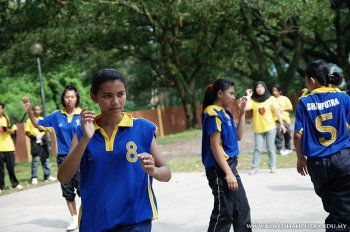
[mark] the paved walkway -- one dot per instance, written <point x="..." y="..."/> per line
<point x="184" y="204"/>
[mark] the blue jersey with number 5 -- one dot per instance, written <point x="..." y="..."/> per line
<point x="322" y="118"/>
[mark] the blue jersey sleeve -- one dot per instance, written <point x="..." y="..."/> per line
<point x="48" y="121"/>
<point x="298" y="128"/>
<point x="213" y="124"/>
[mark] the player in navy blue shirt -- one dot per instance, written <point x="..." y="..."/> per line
<point x="322" y="142"/>
<point x="118" y="158"/>
<point x="63" y="124"/>
<point x="219" y="156"/>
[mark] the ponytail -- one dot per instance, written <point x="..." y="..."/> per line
<point x="334" y="78"/>
<point x="208" y="98"/>
<point x="319" y="70"/>
<point x="212" y="91"/>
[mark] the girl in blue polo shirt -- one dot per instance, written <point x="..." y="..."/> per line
<point x="63" y="124"/>
<point x="322" y="143"/>
<point x="118" y="158"/>
<point x="219" y="155"/>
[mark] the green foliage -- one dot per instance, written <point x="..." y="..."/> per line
<point x="177" y="47"/>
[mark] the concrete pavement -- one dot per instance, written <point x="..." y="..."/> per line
<point x="184" y="204"/>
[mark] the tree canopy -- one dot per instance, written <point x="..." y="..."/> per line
<point x="172" y="47"/>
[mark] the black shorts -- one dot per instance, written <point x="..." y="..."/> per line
<point x="68" y="188"/>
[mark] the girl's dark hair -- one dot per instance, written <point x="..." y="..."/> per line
<point x="70" y="88"/>
<point x="104" y="75"/>
<point x="319" y="70"/>
<point x="212" y="91"/>
<point x="2" y="105"/>
<point x="278" y="87"/>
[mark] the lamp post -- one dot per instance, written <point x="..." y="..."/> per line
<point x="37" y="50"/>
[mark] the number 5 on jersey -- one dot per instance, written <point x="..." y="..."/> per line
<point x="329" y="129"/>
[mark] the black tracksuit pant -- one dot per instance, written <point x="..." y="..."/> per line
<point x="230" y="208"/>
<point x="331" y="178"/>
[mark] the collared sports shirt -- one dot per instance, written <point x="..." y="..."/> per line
<point x="63" y="126"/>
<point x="115" y="190"/>
<point x="219" y="119"/>
<point x="322" y="117"/>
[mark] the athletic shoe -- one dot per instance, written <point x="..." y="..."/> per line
<point x="283" y="152"/>
<point x="51" y="178"/>
<point x="253" y="172"/>
<point x="273" y="170"/>
<point x="19" y="186"/>
<point x="35" y="181"/>
<point x="0" y="191"/>
<point x="73" y="225"/>
<point x="288" y="151"/>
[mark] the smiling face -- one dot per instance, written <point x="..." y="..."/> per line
<point x="227" y="97"/>
<point x="111" y="97"/>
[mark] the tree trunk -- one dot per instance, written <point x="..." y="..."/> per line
<point x="188" y="100"/>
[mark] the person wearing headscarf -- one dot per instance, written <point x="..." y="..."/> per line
<point x="264" y="106"/>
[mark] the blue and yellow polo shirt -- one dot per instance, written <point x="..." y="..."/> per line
<point x="219" y="119"/>
<point x="322" y="117"/>
<point x="115" y="190"/>
<point x="63" y="126"/>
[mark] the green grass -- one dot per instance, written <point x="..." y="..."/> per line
<point x="23" y="174"/>
<point x="194" y="163"/>
<point x="179" y="136"/>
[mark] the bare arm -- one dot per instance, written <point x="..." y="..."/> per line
<point x="220" y="159"/>
<point x="154" y="164"/>
<point x="302" y="161"/>
<point x="71" y="163"/>
<point x="28" y="108"/>
<point x="280" y="119"/>
<point x="241" y="122"/>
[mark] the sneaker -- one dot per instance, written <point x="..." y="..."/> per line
<point x="73" y="225"/>
<point x="19" y="186"/>
<point x="253" y="172"/>
<point x="35" y="181"/>
<point x="0" y="191"/>
<point x="51" y="178"/>
<point x="283" y="152"/>
<point x="273" y="170"/>
<point x="288" y="151"/>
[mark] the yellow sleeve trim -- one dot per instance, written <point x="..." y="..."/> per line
<point x="218" y="123"/>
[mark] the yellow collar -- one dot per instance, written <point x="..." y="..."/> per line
<point x="76" y="111"/>
<point x="127" y="121"/>
<point x="213" y="107"/>
<point x="326" y="90"/>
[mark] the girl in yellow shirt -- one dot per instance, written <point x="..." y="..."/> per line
<point x="264" y="106"/>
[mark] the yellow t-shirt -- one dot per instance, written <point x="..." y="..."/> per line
<point x="31" y="129"/>
<point x="263" y="114"/>
<point x="284" y="102"/>
<point x="6" y="142"/>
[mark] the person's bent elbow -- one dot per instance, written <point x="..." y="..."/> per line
<point x="62" y="176"/>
